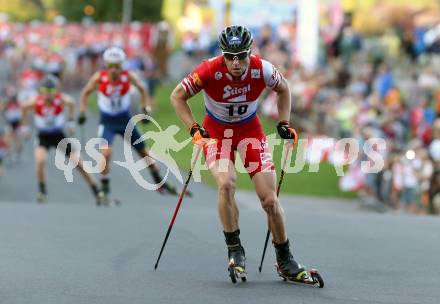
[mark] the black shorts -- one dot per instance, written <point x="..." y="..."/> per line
<point x="14" y="124"/>
<point x="49" y="140"/>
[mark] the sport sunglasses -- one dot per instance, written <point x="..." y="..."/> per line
<point x="46" y="90"/>
<point x="113" y="65"/>
<point x="239" y="56"/>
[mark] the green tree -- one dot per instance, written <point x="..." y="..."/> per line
<point x="16" y="11"/>
<point x="106" y="10"/>
<point x="147" y="10"/>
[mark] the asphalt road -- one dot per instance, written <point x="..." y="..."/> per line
<point x="70" y="251"/>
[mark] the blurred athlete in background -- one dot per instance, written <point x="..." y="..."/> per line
<point x="113" y="86"/>
<point x="48" y="108"/>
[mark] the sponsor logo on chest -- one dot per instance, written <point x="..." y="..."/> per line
<point x="113" y="90"/>
<point x="229" y="91"/>
<point x="49" y="110"/>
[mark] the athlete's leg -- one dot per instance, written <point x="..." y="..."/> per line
<point x="75" y="157"/>
<point x="15" y="139"/>
<point x="88" y="178"/>
<point x="140" y="148"/>
<point x="143" y="152"/>
<point x="265" y="187"/>
<point x="106" y="132"/>
<point x="18" y="142"/>
<point x="264" y="183"/>
<point x="227" y="206"/>
<point x="40" y="161"/>
<point x="106" y="151"/>
<point x="229" y="214"/>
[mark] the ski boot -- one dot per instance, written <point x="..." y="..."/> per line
<point x="42" y="193"/>
<point x="103" y="197"/>
<point x="237" y="263"/>
<point x="103" y="194"/>
<point x="41" y="198"/>
<point x="97" y="194"/>
<point x="236" y="256"/>
<point x="100" y="197"/>
<point x="288" y="269"/>
<point x="167" y="189"/>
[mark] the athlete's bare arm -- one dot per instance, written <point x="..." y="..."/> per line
<point x="69" y="102"/>
<point x="283" y="101"/>
<point x="26" y="108"/>
<point x="145" y="97"/>
<point x="179" y="99"/>
<point x="90" y="87"/>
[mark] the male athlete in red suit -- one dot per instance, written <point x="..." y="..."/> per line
<point x="231" y="85"/>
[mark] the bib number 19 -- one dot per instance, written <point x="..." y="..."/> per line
<point x="240" y="109"/>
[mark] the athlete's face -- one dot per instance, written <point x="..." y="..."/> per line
<point x="114" y="70"/>
<point x="236" y="63"/>
<point x="48" y="93"/>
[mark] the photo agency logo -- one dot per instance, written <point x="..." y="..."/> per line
<point x="163" y="142"/>
<point x="369" y="155"/>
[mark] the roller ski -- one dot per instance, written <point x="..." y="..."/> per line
<point x="171" y="190"/>
<point x="41" y="198"/>
<point x="236" y="256"/>
<point x="237" y="266"/>
<point x="167" y="189"/>
<point x="103" y="197"/>
<point x="105" y="200"/>
<point x="288" y="269"/>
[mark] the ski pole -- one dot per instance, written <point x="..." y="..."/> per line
<point x="283" y="167"/>
<point x="82" y="135"/>
<point x="182" y="193"/>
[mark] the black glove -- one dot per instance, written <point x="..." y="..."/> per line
<point x="146" y="111"/>
<point x="286" y="132"/>
<point x="197" y="128"/>
<point x="82" y="118"/>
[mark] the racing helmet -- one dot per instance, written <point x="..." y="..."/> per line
<point x="114" y="55"/>
<point x="49" y="82"/>
<point x="235" y="39"/>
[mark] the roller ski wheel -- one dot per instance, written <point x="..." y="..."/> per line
<point x="41" y="198"/>
<point x="236" y="272"/>
<point x="237" y="264"/>
<point x="188" y="193"/>
<point x="106" y="201"/>
<point x="99" y="198"/>
<point x="167" y="189"/>
<point x="306" y="277"/>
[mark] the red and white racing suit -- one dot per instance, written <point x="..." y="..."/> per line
<point x="50" y="122"/>
<point x="13" y="114"/>
<point x="231" y="108"/>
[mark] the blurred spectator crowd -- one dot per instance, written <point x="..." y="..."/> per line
<point x="73" y="50"/>
<point x="378" y="86"/>
<point x="381" y="86"/>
